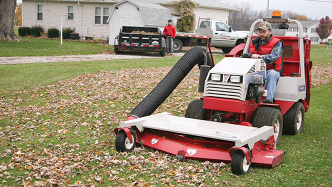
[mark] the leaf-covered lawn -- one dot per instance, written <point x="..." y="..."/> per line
<point x="62" y="134"/>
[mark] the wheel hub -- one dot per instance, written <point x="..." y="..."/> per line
<point x="276" y="128"/>
<point x="129" y="144"/>
<point x="299" y="120"/>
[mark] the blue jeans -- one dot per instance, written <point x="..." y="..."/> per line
<point x="169" y="45"/>
<point x="272" y="78"/>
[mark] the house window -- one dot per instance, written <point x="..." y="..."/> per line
<point x="305" y="30"/>
<point x="314" y="39"/>
<point x="295" y="29"/>
<point x="313" y="30"/>
<point x="40" y="12"/>
<point x="70" y="12"/>
<point x="101" y="15"/>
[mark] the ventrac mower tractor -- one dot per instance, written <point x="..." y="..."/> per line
<point x="230" y="123"/>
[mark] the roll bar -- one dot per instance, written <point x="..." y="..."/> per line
<point x="281" y="20"/>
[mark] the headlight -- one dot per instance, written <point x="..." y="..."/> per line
<point x="216" y="77"/>
<point x="235" y="79"/>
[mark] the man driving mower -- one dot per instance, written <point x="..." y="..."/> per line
<point x="270" y="49"/>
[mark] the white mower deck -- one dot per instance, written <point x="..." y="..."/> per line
<point x="241" y="135"/>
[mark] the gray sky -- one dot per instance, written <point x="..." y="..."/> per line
<point x="314" y="9"/>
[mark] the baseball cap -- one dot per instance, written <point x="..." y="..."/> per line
<point x="265" y="26"/>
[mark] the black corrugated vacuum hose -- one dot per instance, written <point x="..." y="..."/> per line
<point x="158" y="95"/>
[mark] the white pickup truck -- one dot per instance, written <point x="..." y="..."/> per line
<point x="222" y="36"/>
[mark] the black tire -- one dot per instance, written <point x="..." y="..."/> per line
<point x="294" y="119"/>
<point x="239" y="163"/>
<point x="116" y="49"/>
<point x="177" y="45"/>
<point x="267" y="116"/>
<point x="226" y="49"/>
<point x="122" y="142"/>
<point x="163" y="52"/>
<point x="239" y="41"/>
<point x="195" y="110"/>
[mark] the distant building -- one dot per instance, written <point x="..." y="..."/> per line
<point x="90" y="18"/>
<point x="309" y="30"/>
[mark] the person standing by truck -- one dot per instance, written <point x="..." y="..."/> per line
<point x="170" y="33"/>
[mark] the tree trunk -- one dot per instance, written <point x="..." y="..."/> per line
<point x="7" y="12"/>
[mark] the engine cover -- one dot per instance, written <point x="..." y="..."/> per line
<point x="231" y="77"/>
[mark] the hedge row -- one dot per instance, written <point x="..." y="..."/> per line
<point x="38" y="31"/>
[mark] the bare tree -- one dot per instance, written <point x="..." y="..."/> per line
<point x="7" y="12"/>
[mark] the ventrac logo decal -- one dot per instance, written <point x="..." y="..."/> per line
<point x="154" y="141"/>
<point x="301" y="88"/>
<point x="225" y="79"/>
<point x="224" y="135"/>
<point x="191" y="151"/>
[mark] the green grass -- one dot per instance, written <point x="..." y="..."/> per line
<point x="320" y="55"/>
<point x="27" y="76"/>
<point x="48" y="47"/>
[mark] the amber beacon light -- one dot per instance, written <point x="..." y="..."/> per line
<point x="276" y="14"/>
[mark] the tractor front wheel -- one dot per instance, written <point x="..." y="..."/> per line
<point x="239" y="164"/>
<point x="294" y="119"/>
<point x="122" y="142"/>
<point x="195" y="110"/>
<point x="267" y="116"/>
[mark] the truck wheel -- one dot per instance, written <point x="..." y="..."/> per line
<point x="267" y="116"/>
<point x="294" y="119"/>
<point x="116" y="49"/>
<point x="226" y="49"/>
<point x="122" y="142"/>
<point x="240" y="41"/>
<point x="163" y="52"/>
<point x="177" y="46"/>
<point x="239" y="163"/>
<point x="195" y="110"/>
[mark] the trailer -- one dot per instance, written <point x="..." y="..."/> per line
<point x="148" y="39"/>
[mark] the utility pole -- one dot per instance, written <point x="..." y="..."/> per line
<point x="185" y="3"/>
<point x="268" y="7"/>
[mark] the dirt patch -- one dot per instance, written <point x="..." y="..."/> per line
<point x="106" y="51"/>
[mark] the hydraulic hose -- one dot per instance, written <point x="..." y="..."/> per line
<point x="159" y="94"/>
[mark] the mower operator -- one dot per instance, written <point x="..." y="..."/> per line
<point x="170" y="33"/>
<point x="270" y="49"/>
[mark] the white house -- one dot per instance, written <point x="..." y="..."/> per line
<point x="309" y="29"/>
<point x="89" y="17"/>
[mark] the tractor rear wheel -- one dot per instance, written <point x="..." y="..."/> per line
<point x="122" y="142"/>
<point x="226" y="50"/>
<point x="267" y="116"/>
<point x="195" y="110"/>
<point x="239" y="163"/>
<point x="294" y="119"/>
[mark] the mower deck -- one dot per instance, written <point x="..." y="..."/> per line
<point x="203" y="140"/>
